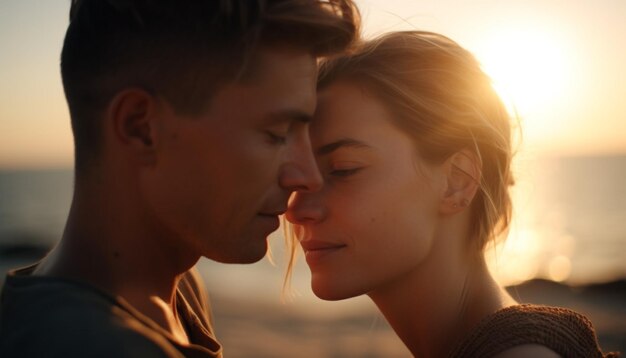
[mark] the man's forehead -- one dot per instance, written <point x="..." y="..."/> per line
<point x="282" y="88"/>
<point x="269" y="62"/>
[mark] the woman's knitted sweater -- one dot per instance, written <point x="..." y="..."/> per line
<point x="566" y="332"/>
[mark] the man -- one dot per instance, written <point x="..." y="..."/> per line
<point x="190" y="121"/>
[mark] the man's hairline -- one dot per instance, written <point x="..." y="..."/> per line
<point x="249" y="75"/>
<point x="249" y="72"/>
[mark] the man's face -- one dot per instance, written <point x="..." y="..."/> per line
<point x="223" y="177"/>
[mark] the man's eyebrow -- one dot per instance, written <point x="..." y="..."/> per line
<point x="291" y="115"/>
<point x="342" y="143"/>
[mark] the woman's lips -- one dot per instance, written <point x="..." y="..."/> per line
<point x="315" y="250"/>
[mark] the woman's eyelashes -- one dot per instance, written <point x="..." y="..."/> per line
<point x="345" y="170"/>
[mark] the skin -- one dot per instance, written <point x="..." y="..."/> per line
<point x="371" y="179"/>
<point x="390" y="225"/>
<point x="169" y="188"/>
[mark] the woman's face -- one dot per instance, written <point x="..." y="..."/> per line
<point x="375" y="217"/>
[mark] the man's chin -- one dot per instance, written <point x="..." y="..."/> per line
<point x="248" y="255"/>
<point x="239" y="260"/>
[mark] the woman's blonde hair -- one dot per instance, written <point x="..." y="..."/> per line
<point x="439" y="95"/>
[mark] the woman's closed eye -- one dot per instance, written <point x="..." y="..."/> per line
<point x="344" y="172"/>
<point x="345" y="169"/>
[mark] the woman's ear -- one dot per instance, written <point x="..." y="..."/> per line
<point x="463" y="172"/>
<point x="133" y="116"/>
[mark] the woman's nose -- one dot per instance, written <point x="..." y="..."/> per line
<point x="305" y="208"/>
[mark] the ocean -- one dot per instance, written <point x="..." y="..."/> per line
<point x="569" y="226"/>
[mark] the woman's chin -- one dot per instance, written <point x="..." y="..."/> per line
<point x="333" y="292"/>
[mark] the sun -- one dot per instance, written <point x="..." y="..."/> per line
<point x="529" y="68"/>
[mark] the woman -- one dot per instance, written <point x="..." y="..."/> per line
<point x="415" y="149"/>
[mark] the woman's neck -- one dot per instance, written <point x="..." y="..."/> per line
<point x="438" y="303"/>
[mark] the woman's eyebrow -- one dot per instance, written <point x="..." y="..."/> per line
<point x="342" y="143"/>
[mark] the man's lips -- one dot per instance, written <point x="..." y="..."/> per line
<point x="271" y="220"/>
<point x="277" y="212"/>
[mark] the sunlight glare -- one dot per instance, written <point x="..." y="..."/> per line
<point x="528" y="67"/>
<point x="517" y="259"/>
<point x="559" y="268"/>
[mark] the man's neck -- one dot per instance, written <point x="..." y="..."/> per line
<point x="109" y="244"/>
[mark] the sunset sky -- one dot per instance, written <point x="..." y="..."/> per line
<point x="561" y="63"/>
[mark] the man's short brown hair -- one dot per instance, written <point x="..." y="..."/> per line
<point x="182" y="50"/>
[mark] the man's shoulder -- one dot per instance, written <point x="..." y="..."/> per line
<point x="86" y="342"/>
<point x="68" y="319"/>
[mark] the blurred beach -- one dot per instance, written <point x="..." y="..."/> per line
<point x="565" y="248"/>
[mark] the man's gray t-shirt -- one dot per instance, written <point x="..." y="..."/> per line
<point x="52" y="317"/>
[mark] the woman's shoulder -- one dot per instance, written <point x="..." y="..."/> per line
<point x="520" y="327"/>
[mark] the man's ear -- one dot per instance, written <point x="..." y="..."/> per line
<point x="463" y="175"/>
<point x="133" y="116"/>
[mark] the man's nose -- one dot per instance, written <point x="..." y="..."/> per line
<point x="304" y="177"/>
<point x="301" y="173"/>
